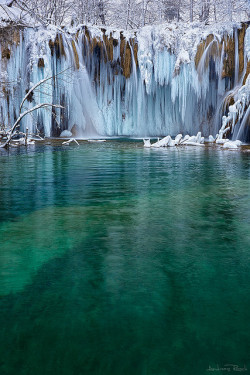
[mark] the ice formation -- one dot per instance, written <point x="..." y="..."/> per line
<point x="239" y="113"/>
<point x="164" y="91"/>
<point x="197" y="140"/>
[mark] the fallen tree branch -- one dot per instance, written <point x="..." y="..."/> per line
<point x="39" y="84"/>
<point x="11" y="132"/>
<point x="66" y="143"/>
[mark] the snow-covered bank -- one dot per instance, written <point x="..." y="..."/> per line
<point x="160" y="80"/>
<point x="188" y="140"/>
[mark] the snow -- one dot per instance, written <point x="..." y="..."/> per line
<point x="178" y="139"/>
<point x="147" y="143"/>
<point x="238" y="112"/>
<point x="197" y="140"/>
<point x="194" y="140"/>
<point x="232" y="144"/>
<point x="247" y="43"/>
<point x="164" y="95"/>
<point x="167" y="141"/>
<point x="67" y="143"/>
<point x="221" y="141"/>
<point x="5" y="2"/>
<point x="66" y="134"/>
<point x="211" y="139"/>
<point x="13" y="14"/>
<point x="179" y="39"/>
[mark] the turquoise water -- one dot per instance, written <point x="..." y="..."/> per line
<point x="121" y="260"/>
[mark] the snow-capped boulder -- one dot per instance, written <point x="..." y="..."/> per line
<point x="211" y="139"/>
<point x="147" y="143"/>
<point x="66" y="134"/>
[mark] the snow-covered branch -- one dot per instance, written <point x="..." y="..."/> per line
<point x="11" y="132"/>
<point x="39" y="84"/>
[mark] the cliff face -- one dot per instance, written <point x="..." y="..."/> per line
<point x="151" y="82"/>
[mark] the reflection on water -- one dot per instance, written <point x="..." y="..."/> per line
<point x="120" y="260"/>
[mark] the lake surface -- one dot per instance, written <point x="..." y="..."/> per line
<point x="117" y="259"/>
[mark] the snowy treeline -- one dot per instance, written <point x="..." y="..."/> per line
<point x="132" y="14"/>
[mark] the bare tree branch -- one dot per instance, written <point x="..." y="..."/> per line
<point x="11" y="132"/>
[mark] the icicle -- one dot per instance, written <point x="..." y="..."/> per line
<point x="236" y="57"/>
<point x="221" y="86"/>
<point x="98" y="100"/>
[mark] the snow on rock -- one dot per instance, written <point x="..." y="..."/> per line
<point x="247" y="43"/>
<point x="191" y="139"/>
<point x="167" y="141"/>
<point x="147" y="143"/>
<point x="183" y="58"/>
<point x="232" y="144"/>
<point x="193" y="144"/>
<point x="164" y="142"/>
<point x="66" y="134"/>
<point x="237" y="110"/>
<point x="24" y="142"/>
<point x="221" y="141"/>
<point x="198" y="137"/>
<point x="238" y="113"/>
<point x="161" y="143"/>
<point x="194" y="140"/>
<point x="178" y="139"/>
<point x="171" y="142"/>
<point x="186" y="138"/>
<point x="238" y="142"/>
<point x="211" y="139"/>
<point x="197" y="140"/>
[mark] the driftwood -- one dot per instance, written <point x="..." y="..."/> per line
<point x="66" y="143"/>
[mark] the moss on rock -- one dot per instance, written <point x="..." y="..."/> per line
<point x="57" y="46"/>
<point x="229" y="60"/>
<point x="6" y="53"/>
<point x="75" y="54"/>
<point x="213" y="51"/>
<point x="126" y="58"/>
<point x="241" y="38"/>
<point x="40" y="63"/>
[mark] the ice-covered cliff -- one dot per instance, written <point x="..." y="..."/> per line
<point x="151" y="82"/>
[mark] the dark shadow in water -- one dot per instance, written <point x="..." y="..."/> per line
<point x="160" y="283"/>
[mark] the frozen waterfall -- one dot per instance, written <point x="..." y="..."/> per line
<point x="116" y="84"/>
